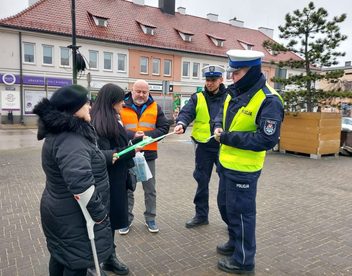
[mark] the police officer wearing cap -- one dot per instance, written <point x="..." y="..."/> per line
<point x="202" y="108"/>
<point x="247" y="126"/>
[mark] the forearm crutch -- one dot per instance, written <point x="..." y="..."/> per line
<point x="83" y="200"/>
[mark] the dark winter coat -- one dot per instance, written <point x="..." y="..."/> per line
<point x="119" y="177"/>
<point x="72" y="163"/>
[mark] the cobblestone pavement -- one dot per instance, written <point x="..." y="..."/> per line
<point x="304" y="221"/>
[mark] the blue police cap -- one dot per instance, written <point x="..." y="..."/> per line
<point x="213" y="71"/>
<point x="243" y="58"/>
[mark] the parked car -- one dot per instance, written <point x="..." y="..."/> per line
<point x="346" y="124"/>
<point x="346" y="136"/>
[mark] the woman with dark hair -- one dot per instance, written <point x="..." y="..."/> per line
<point x="75" y="170"/>
<point x="113" y="138"/>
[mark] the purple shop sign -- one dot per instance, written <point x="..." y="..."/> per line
<point x="34" y="80"/>
<point x="58" y="81"/>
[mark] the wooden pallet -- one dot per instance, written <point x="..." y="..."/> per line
<point x="310" y="155"/>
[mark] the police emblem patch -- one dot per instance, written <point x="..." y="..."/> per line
<point x="269" y="127"/>
<point x="211" y="68"/>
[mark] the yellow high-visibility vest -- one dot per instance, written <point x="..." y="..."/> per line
<point x="238" y="159"/>
<point x="201" y="126"/>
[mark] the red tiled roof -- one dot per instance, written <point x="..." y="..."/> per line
<point x="55" y="17"/>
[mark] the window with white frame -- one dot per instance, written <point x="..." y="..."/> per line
<point x="186" y="36"/>
<point x="28" y="52"/>
<point x="246" y="46"/>
<point x="48" y="54"/>
<point x="93" y="59"/>
<point x="143" y="65"/>
<point x="100" y="21"/>
<point x="121" y="62"/>
<point x="219" y="42"/>
<point x="195" y="72"/>
<point x="64" y="56"/>
<point x="156" y="66"/>
<point x="107" y="61"/>
<point x="167" y="67"/>
<point x="185" y="68"/>
<point x="148" y="29"/>
<point x="204" y="65"/>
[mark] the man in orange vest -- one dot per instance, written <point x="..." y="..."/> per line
<point x="142" y="116"/>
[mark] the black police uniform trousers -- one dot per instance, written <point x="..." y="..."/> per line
<point x="205" y="158"/>
<point x="237" y="206"/>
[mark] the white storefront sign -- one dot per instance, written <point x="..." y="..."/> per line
<point x="31" y="98"/>
<point x="155" y="87"/>
<point x="10" y="100"/>
<point x="8" y="79"/>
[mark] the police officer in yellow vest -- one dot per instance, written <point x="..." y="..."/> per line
<point x="202" y="108"/>
<point x="246" y="127"/>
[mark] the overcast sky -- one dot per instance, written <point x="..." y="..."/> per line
<point x="254" y="13"/>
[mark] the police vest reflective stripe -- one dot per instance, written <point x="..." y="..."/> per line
<point x="201" y="126"/>
<point x="146" y="122"/>
<point x="238" y="159"/>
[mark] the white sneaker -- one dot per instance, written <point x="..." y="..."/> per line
<point x="124" y="231"/>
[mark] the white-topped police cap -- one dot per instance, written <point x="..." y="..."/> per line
<point x="213" y="71"/>
<point x="243" y="58"/>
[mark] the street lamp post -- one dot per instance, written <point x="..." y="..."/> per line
<point x="74" y="46"/>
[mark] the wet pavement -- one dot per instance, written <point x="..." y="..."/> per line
<point x="18" y="138"/>
<point x="304" y="215"/>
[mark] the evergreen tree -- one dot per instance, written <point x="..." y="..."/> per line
<point x="312" y="37"/>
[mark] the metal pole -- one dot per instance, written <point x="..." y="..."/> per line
<point x="21" y="79"/>
<point x="74" y="46"/>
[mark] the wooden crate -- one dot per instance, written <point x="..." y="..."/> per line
<point x="314" y="133"/>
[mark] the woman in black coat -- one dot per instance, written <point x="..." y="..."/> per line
<point x="112" y="139"/>
<point x="72" y="164"/>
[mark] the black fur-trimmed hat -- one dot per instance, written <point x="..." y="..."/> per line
<point x="69" y="98"/>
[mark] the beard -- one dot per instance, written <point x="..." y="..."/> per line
<point x="139" y="101"/>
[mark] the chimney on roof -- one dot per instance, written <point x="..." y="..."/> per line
<point x="167" y="6"/>
<point x="235" y="22"/>
<point x="31" y="2"/>
<point x="212" y="17"/>
<point x="138" y="2"/>
<point x="181" y="10"/>
<point x="267" y="31"/>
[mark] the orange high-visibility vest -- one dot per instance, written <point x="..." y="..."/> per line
<point x="146" y="122"/>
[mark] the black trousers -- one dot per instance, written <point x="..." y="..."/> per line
<point x="237" y="205"/>
<point x="57" y="269"/>
<point x="205" y="161"/>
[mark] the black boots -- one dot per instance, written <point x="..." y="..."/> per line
<point x="225" y="249"/>
<point x="228" y="265"/>
<point x="113" y="264"/>
<point x="196" y="221"/>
